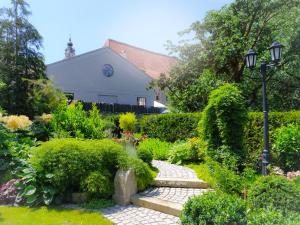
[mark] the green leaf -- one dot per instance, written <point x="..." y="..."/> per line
<point x="49" y="175"/>
<point x="29" y="190"/>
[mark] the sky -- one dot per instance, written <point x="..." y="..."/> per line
<point x="143" y="23"/>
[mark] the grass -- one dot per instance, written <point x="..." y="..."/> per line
<point x="49" y="216"/>
<point x="203" y="173"/>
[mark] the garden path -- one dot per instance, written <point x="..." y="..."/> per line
<point x="162" y="204"/>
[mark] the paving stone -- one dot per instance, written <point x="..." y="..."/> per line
<point x="177" y="195"/>
<point x="167" y="170"/>
<point x="131" y="214"/>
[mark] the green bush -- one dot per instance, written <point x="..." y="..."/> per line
<point x="159" y="149"/>
<point x="186" y="152"/>
<point x="171" y="127"/>
<point x="226" y="180"/>
<point x="14" y="151"/>
<point x="128" y="122"/>
<point x="223" y="122"/>
<point x="276" y="192"/>
<point x="270" y="216"/>
<point x="145" y="155"/>
<point x="98" y="185"/>
<point x="71" y="162"/>
<point x="214" y="208"/>
<point x="254" y="130"/>
<point x="287" y="148"/>
<point x="142" y="172"/>
<point x="73" y="121"/>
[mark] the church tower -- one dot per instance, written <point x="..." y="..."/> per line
<point x="70" y="51"/>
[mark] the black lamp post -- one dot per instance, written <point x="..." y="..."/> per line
<point x="275" y="51"/>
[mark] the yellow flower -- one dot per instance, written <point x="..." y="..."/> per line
<point x="46" y="118"/>
<point x="17" y="122"/>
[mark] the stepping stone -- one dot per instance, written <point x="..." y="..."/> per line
<point x="165" y="199"/>
<point x="180" y="182"/>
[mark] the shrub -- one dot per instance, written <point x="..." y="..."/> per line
<point x="270" y="216"/>
<point x="186" y="152"/>
<point x="223" y="122"/>
<point x="142" y="172"/>
<point x="145" y="155"/>
<point x="128" y="122"/>
<point x="69" y="162"/>
<point x="254" y="131"/>
<point x="98" y="185"/>
<point x="73" y="121"/>
<point x="276" y="192"/>
<point x="227" y="180"/>
<point x="159" y="149"/>
<point x="214" y="208"/>
<point x="14" y="122"/>
<point x="287" y="148"/>
<point x="171" y="127"/>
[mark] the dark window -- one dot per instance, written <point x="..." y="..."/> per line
<point x="70" y="96"/>
<point x="141" y="101"/>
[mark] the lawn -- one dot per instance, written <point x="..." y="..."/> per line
<point x="51" y="216"/>
<point x="203" y="173"/>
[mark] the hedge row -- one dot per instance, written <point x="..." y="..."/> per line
<point x="254" y="131"/>
<point x="170" y="127"/>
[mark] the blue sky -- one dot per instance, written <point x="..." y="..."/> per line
<point x="143" y="23"/>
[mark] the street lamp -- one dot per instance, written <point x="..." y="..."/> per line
<point x="275" y="51"/>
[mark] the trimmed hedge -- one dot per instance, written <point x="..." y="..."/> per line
<point x="171" y="127"/>
<point x="254" y="130"/>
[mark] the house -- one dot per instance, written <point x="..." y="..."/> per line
<point x="116" y="73"/>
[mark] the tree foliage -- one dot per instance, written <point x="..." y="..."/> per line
<point x="21" y="63"/>
<point x="220" y="43"/>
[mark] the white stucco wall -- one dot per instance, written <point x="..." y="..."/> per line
<point x="82" y="75"/>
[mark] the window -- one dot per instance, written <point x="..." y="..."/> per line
<point x="141" y="101"/>
<point x="70" y="96"/>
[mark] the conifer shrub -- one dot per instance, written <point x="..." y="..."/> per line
<point x="223" y="123"/>
<point x="128" y="122"/>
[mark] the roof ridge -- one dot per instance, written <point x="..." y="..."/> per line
<point x="77" y="56"/>
<point x="143" y="49"/>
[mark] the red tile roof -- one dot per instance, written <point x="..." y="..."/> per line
<point x="151" y="63"/>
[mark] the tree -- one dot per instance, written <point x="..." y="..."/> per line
<point x="21" y="63"/>
<point x="220" y="44"/>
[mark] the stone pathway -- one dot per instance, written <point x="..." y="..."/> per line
<point x="168" y="196"/>
<point x="177" y="195"/>
<point x="135" y="215"/>
<point x="167" y="170"/>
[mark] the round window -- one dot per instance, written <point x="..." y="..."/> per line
<point x="107" y="70"/>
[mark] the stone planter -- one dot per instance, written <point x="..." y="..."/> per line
<point x="79" y="197"/>
<point x="125" y="186"/>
